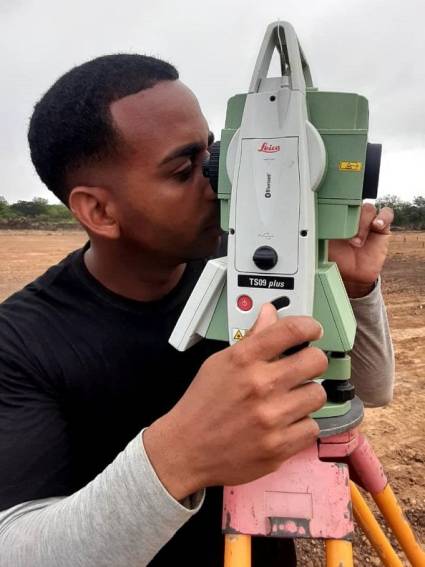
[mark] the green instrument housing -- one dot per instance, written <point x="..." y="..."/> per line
<point x="342" y="121"/>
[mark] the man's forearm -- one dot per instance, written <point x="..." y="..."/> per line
<point x="372" y="356"/>
<point x="122" y="518"/>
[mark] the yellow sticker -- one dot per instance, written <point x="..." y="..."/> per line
<point x="350" y="166"/>
<point x="238" y="334"/>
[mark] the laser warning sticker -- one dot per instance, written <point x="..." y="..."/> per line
<point x="350" y="166"/>
<point x="238" y="334"/>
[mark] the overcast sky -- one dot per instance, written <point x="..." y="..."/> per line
<point x="371" y="47"/>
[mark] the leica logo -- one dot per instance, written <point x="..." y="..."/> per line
<point x="268" y="148"/>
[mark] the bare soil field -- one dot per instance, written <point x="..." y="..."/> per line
<point x="26" y="254"/>
<point x="396" y="432"/>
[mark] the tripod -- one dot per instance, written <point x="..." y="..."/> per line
<point x="311" y="496"/>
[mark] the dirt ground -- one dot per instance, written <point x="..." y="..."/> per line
<point x="396" y="432"/>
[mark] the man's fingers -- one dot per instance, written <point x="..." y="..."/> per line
<point x="300" y="367"/>
<point x="267" y="316"/>
<point x="367" y="214"/>
<point x="302" y="401"/>
<point x="297" y="437"/>
<point x="276" y="338"/>
<point x="370" y="221"/>
<point x="383" y="220"/>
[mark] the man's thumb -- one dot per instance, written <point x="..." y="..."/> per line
<point x="266" y="317"/>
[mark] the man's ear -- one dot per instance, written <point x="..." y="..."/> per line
<point x="95" y="210"/>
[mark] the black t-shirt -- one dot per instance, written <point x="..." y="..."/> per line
<point x="82" y="371"/>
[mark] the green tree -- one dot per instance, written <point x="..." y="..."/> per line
<point x="4" y="207"/>
<point x="392" y="201"/>
<point x="34" y="208"/>
<point x="406" y="215"/>
<point x="59" y="212"/>
<point x="418" y="212"/>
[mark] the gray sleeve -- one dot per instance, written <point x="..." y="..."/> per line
<point x="372" y="357"/>
<point x="120" y="519"/>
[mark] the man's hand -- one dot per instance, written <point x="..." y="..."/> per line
<point x="361" y="259"/>
<point x="245" y="412"/>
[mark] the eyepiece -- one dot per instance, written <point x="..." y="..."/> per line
<point x="210" y="165"/>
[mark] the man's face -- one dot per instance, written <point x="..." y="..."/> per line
<point x="165" y="205"/>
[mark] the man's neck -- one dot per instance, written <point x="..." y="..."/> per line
<point x="130" y="276"/>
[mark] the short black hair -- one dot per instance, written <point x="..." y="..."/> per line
<point x="71" y="125"/>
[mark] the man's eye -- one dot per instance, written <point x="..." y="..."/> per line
<point x="185" y="174"/>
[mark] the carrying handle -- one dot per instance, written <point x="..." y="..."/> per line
<point x="282" y="37"/>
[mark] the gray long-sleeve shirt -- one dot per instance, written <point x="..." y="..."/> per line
<point x="124" y="516"/>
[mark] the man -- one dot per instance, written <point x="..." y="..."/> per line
<point x="86" y="364"/>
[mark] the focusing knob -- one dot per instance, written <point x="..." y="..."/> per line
<point x="265" y="257"/>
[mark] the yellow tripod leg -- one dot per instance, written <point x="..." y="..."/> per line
<point x="394" y="516"/>
<point x="372" y="529"/>
<point x="237" y="550"/>
<point x="339" y="553"/>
